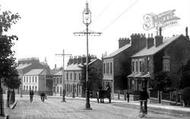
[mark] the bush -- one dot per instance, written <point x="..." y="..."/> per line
<point x="186" y="96"/>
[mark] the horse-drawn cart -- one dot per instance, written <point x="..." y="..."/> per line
<point x="101" y="94"/>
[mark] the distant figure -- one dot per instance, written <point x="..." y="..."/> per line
<point x="143" y="101"/>
<point x="128" y="96"/>
<point x="43" y="96"/>
<point x="31" y="95"/>
<point x="108" y="88"/>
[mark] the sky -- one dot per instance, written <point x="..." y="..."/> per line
<point x="46" y="27"/>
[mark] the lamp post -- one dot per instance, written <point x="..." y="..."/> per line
<point x="87" y="21"/>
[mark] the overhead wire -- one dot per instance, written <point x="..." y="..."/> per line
<point x="117" y="18"/>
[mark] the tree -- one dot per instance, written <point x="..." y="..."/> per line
<point x="8" y="73"/>
<point x="161" y="82"/>
<point x="94" y="77"/>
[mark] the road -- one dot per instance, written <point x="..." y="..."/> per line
<point x="53" y="108"/>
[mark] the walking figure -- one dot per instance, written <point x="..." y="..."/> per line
<point x="143" y="102"/>
<point x="31" y="95"/>
<point x="128" y="96"/>
<point x="43" y="96"/>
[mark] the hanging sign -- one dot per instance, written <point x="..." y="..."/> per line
<point x="161" y="20"/>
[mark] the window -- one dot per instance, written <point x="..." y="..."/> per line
<point x="111" y="68"/>
<point x="136" y="66"/>
<point x="60" y="80"/>
<point x="24" y="87"/>
<point x="133" y="66"/>
<point x="32" y="78"/>
<point x="79" y="76"/>
<point x="35" y="88"/>
<point x="107" y="68"/>
<point x="104" y="69"/>
<point x="71" y="76"/>
<point x="140" y="66"/>
<point x="166" y="63"/>
<point x="67" y="76"/>
<point x="74" y="76"/>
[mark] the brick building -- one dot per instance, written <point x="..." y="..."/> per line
<point x="160" y="54"/>
<point x="117" y="65"/>
<point x="73" y="75"/>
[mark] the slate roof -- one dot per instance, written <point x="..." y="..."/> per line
<point x="35" y="72"/>
<point x="153" y="50"/>
<point x="59" y="73"/>
<point x="22" y="66"/>
<point x="73" y="67"/>
<point x="118" y="51"/>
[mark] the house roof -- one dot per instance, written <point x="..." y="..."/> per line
<point x="92" y="61"/>
<point x="118" y="51"/>
<point x="22" y="66"/>
<point x="35" y="72"/>
<point x="59" y="72"/>
<point x="73" y="67"/>
<point x="153" y="50"/>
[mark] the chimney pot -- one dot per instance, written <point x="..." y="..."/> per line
<point x="151" y="35"/>
<point x="160" y="31"/>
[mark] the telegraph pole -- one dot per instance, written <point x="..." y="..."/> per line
<point x="63" y="75"/>
<point x="87" y="21"/>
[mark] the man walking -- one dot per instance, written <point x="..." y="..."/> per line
<point x="31" y="95"/>
<point x="143" y="100"/>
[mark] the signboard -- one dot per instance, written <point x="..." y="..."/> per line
<point x="161" y="20"/>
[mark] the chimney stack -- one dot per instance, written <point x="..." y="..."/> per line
<point x="123" y="42"/>
<point x="160" y="31"/>
<point x="186" y="33"/>
<point x="149" y="41"/>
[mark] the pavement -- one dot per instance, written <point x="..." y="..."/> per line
<point x="155" y="106"/>
<point x="154" y="109"/>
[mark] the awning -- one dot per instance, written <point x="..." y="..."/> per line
<point x="146" y="75"/>
<point x="135" y="75"/>
<point x="131" y="75"/>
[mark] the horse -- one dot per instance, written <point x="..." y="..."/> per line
<point x="101" y="94"/>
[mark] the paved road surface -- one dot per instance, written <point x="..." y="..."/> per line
<point x="53" y="108"/>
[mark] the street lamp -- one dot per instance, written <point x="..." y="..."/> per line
<point x="87" y="20"/>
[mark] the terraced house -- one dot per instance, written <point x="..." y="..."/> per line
<point x="160" y="54"/>
<point x="117" y="65"/>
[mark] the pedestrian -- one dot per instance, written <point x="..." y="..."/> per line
<point x="143" y="101"/>
<point x="108" y="92"/>
<point x="128" y="96"/>
<point x="108" y="88"/>
<point x="31" y="95"/>
<point x="43" y="96"/>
